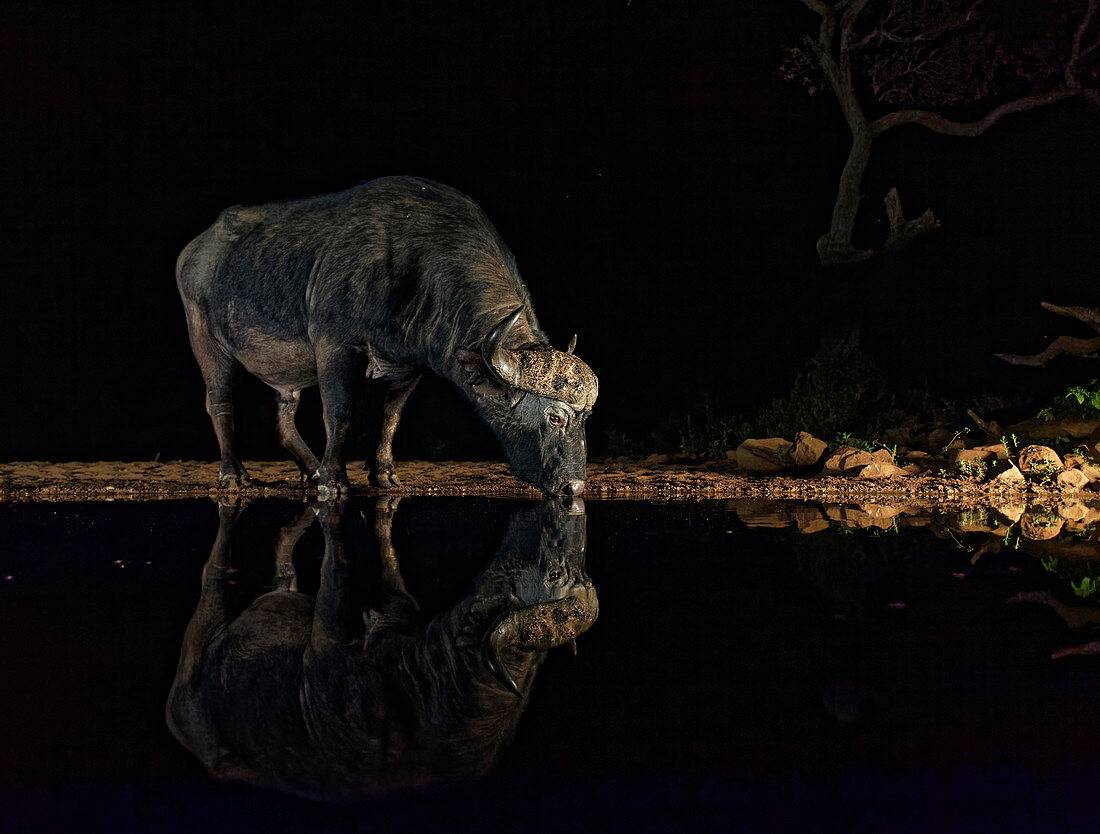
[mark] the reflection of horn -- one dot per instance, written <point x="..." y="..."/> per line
<point x="541" y="627"/>
<point x="496" y="666"/>
<point x="503" y="362"/>
<point x="572" y="344"/>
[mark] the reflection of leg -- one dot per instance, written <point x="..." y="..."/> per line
<point x="286" y="579"/>
<point x="337" y="614"/>
<point x="401" y="603"/>
<point x="212" y="611"/>
<point x="382" y="475"/>
<point x="289" y="437"/>
<point x="184" y="712"/>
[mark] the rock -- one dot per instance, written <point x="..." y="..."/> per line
<point x="955" y="456"/>
<point x="1081" y="463"/>
<point x="809" y="519"/>
<point x="937" y="439"/>
<point x="815" y="525"/>
<point x="970" y="462"/>
<point x="941" y="439"/>
<point x="995" y="449"/>
<point x="880" y="511"/>
<point x="916" y="456"/>
<point x="1010" y="511"/>
<point x="1004" y="472"/>
<point x="846" y="458"/>
<point x="1039" y="461"/>
<point x="1071" y="479"/>
<point x="1040" y="526"/>
<point x="653" y="459"/>
<point x="916" y="461"/>
<point x="1072" y="510"/>
<point x="854" y="517"/>
<point x="878" y="469"/>
<point x="973" y="522"/>
<point x="806" y="450"/>
<point x="882" y="456"/>
<point x="763" y="455"/>
<point x="898" y="436"/>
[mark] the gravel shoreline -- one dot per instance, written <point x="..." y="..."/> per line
<point x="24" y="481"/>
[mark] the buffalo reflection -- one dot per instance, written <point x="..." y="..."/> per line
<point x="330" y="698"/>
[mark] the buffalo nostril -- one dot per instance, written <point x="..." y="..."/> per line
<point x="573" y="488"/>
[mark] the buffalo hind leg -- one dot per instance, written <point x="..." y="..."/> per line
<point x="218" y="372"/>
<point x="289" y="437"/>
<point x="382" y="474"/>
<point x="338" y="369"/>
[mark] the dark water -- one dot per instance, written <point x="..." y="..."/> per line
<point x="754" y="667"/>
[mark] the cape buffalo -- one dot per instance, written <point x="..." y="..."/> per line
<point x="390" y="277"/>
<point x="353" y="692"/>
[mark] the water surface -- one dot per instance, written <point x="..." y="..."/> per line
<point x="757" y="666"/>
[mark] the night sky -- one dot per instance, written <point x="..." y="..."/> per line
<point x="660" y="185"/>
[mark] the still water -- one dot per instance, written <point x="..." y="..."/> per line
<point x="740" y="666"/>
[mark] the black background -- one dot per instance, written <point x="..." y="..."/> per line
<point x="661" y="186"/>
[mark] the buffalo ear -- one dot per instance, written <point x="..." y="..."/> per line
<point x="478" y="375"/>
<point x="474" y="370"/>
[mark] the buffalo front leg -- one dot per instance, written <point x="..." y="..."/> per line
<point x="289" y="437"/>
<point x="337" y="370"/>
<point x="382" y="474"/>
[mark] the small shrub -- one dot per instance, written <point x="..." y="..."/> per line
<point x="1086" y="587"/>
<point x="1077" y="401"/>
<point x="975" y="469"/>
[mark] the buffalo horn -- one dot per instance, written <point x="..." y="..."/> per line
<point x="497" y="667"/>
<point x="496" y="357"/>
<point x="572" y="344"/>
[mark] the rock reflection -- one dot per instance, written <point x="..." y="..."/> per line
<point x="335" y="697"/>
<point x="1064" y="537"/>
<point x="1033" y="523"/>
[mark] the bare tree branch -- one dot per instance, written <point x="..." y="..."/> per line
<point x="952" y="25"/>
<point x="1075" y="49"/>
<point x="916" y="53"/>
<point x="940" y="124"/>
<point x="902" y="231"/>
<point x="1063" y="344"/>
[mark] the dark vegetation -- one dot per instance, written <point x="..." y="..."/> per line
<point x="842" y="396"/>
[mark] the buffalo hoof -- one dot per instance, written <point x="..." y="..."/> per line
<point x="384" y="477"/>
<point x="233" y="480"/>
<point x="333" y="489"/>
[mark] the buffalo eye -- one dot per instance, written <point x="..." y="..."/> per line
<point x="554" y="575"/>
<point x="555" y="420"/>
